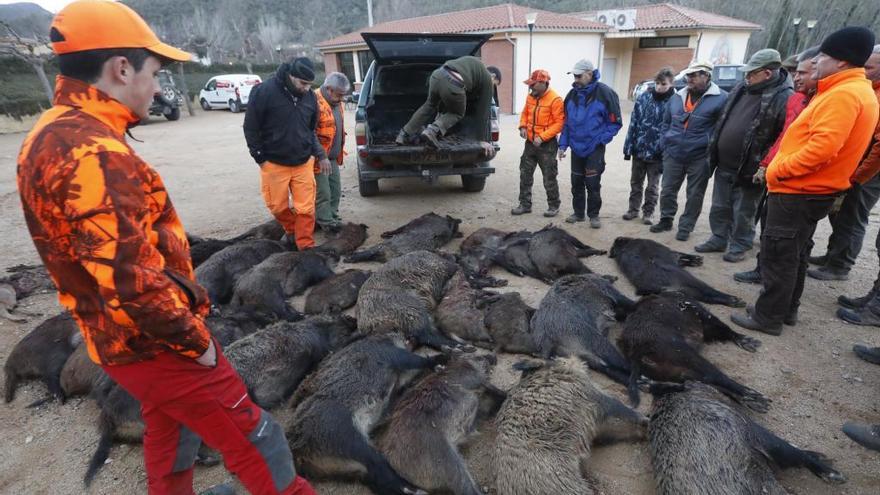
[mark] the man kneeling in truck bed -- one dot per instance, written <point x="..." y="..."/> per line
<point x="458" y="83"/>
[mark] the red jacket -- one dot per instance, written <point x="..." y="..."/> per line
<point x="796" y="104"/>
<point x="871" y="163"/>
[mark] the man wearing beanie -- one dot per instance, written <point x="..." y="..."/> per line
<point x="816" y="159"/>
<point x="104" y="225"/>
<point x="279" y="127"/>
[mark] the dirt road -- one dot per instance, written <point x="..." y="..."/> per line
<point x="810" y="372"/>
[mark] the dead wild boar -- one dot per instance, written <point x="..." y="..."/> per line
<point x="458" y="315"/>
<point x="554" y="253"/>
<point x="336" y="293"/>
<point x="220" y="272"/>
<point x="79" y="373"/>
<point x="427" y="232"/>
<point x="42" y="354"/>
<point x="508" y="319"/>
<point x="337" y="407"/>
<point x="350" y="237"/>
<point x="273" y="361"/>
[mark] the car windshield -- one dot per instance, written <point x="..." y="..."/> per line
<point x="727" y="72"/>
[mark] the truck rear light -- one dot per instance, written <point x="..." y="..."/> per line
<point x="360" y="134"/>
<point x="376" y="163"/>
<point x="363" y="153"/>
<point x="494" y="135"/>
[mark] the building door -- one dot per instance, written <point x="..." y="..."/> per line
<point x="609" y="69"/>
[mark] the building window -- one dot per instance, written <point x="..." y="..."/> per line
<point x="346" y="65"/>
<point x="365" y="58"/>
<point x="665" y="42"/>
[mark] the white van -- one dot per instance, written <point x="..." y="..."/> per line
<point x="228" y="91"/>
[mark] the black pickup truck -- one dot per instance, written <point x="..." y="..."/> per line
<point x="395" y="86"/>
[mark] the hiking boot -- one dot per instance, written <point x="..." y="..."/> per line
<point x="747" y="321"/>
<point x="595" y="223"/>
<point x="574" y="219"/>
<point x="869" y="354"/>
<point x="710" y="247"/>
<point x="521" y="210"/>
<point x="662" y="226"/>
<point x="855" y="302"/>
<point x="828" y="273"/>
<point x="221" y="489"/>
<point x="864" y="317"/>
<point x="818" y="260"/>
<point x="329" y="228"/>
<point x="682" y="235"/>
<point x="648" y="218"/>
<point x="791" y="319"/>
<point x="734" y="256"/>
<point x="749" y="277"/>
<point x="432" y="135"/>
<point x="630" y="215"/>
<point x="868" y="436"/>
<point x="551" y="212"/>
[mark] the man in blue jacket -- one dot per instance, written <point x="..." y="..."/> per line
<point x="690" y="120"/>
<point x="592" y="119"/>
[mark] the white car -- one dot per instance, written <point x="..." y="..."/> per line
<point x="228" y="91"/>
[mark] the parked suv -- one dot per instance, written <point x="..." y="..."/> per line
<point x="395" y="86"/>
<point x="169" y="99"/>
<point x="228" y="91"/>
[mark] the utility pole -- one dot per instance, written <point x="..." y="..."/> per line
<point x="370" y="13"/>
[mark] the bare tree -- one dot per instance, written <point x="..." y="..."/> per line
<point x="35" y="51"/>
<point x="271" y="32"/>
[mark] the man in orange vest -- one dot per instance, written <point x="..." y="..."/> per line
<point x="816" y="159"/>
<point x="539" y="123"/>
<point x="331" y="135"/>
<point x="104" y="226"/>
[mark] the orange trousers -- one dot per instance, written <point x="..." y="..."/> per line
<point x="279" y="183"/>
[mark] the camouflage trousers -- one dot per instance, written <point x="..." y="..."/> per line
<point x="543" y="156"/>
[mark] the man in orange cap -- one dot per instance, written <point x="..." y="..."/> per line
<point x="539" y="123"/>
<point x="105" y="228"/>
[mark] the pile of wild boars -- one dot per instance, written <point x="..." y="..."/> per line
<point x="419" y="371"/>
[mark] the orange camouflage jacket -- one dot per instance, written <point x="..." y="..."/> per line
<point x="103" y="224"/>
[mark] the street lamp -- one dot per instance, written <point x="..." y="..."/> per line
<point x="797" y="42"/>
<point x="531" y="17"/>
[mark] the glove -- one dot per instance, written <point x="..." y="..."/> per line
<point x="627" y="157"/>
<point x="760" y="176"/>
<point x="522" y="133"/>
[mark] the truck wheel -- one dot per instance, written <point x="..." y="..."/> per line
<point x="174" y="114"/>
<point x="368" y="188"/>
<point x="205" y="105"/>
<point x="472" y="183"/>
<point x="234" y="106"/>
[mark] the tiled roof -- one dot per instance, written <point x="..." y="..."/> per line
<point x="502" y="17"/>
<point x="669" y="16"/>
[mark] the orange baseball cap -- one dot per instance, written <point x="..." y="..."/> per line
<point x="539" y="75"/>
<point x="101" y="24"/>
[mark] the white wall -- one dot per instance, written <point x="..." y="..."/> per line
<point x="723" y="47"/>
<point x="555" y="53"/>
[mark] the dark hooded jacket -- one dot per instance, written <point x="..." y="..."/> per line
<point x="279" y="125"/>
<point x="765" y="127"/>
<point x="645" y="134"/>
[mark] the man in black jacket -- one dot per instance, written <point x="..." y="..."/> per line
<point x="279" y="128"/>
<point x="752" y="119"/>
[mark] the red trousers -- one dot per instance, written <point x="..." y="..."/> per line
<point x="182" y="401"/>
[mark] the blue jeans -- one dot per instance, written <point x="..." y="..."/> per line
<point x="586" y="177"/>
<point x="674" y="173"/>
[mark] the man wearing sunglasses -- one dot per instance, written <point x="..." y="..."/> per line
<point x="689" y="122"/>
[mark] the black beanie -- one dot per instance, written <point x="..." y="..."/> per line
<point x="303" y="68"/>
<point x="852" y="44"/>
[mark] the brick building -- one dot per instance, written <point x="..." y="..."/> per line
<point x="656" y="35"/>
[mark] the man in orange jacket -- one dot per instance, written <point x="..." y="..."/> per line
<point x="849" y="223"/>
<point x="331" y="135"/>
<point x="539" y="123"/>
<point x="817" y="156"/>
<point x="104" y="226"/>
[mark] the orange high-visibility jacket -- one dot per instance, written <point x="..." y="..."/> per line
<point x="103" y="224"/>
<point x="543" y="116"/>
<point x="327" y="127"/>
<point x="823" y="146"/>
